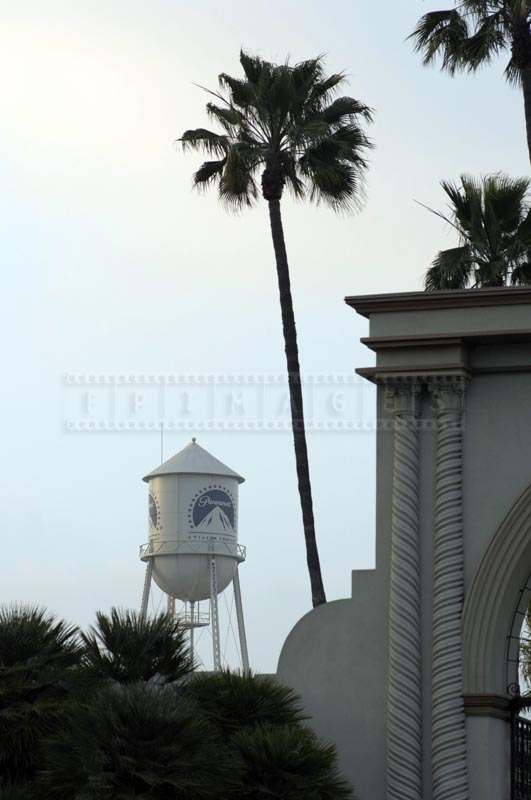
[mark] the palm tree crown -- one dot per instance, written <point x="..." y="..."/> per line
<point x="493" y="219"/>
<point x="282" y="120"/>
<point x="124" y="647"/>
<point x="475" y="32"/>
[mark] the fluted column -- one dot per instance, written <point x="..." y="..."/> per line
<point x="449" y="766"/>
<point x="404" y="699"/>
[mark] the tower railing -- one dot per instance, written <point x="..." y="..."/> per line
<point x="167" y="547"/>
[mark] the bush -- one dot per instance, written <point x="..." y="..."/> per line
<point x="39" y="660"/>
<point x="233" y="702"/>
<point x="126" y="648"/>
<point x="289" y="763"/>
<point x="141" y="741"/>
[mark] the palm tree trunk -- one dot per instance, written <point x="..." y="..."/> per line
<point x="295" y="396"/>
<point x="526" y="88"/>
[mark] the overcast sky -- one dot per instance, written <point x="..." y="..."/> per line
<point x="111" y="265"/>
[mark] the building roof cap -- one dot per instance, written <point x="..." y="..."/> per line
<point x="193" y="460"/>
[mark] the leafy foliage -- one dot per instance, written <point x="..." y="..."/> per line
<point x="142" y="741"/>
<point x="283" y="120"/>
<point x="287" y="762"/>
<point x="19" y="791"/>
<point x="126" y="648"/>
<point x="234" y="702"/>
<point x="475" y="32"/>
<point x="39" y="657"/>
<point x="493" y="220"/>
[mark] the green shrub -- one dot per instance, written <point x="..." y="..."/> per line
<point x="126" y="648"/>
<point x="39" y="660"/>
<point x="288" y="763"/>
<point x="233" y="702"/>
<point x="138" y="741"/>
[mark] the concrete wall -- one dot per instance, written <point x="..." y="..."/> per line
<point x="336" y="656"/>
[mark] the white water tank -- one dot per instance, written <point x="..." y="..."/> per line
<point x="193" y="516"/>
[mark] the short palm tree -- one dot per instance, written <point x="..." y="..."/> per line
<point x="281" y="124"/>
<point x="125" y="647"/>
<point x="473" y="33"/>
<point x="233" y="702"/>
<point x="140" y="740"/>
<point x="287" y="762"/>
<point x="493" y="220"/>
<point x="39" y="660"/>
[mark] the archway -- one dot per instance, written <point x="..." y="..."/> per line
<point x="494" y="612"/>
<point x="491" y="602"/>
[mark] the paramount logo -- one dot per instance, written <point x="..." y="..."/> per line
<point x="206" y="500"/>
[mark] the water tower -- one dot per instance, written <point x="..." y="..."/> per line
<point x="193" y="552"/>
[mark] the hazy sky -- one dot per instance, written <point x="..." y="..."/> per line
<point x="112" y="265"/>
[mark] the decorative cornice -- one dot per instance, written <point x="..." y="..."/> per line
<point x="383" y="374"/>
<point x="379" y="343"/>
<point x="487" y="705"/>
<point x="455" y="298"/>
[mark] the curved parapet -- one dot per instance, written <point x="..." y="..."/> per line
<point x="335" y="659"/>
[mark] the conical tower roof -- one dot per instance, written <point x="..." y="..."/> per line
<point x="193" y="460"/>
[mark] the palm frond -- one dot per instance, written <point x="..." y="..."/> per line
<point x="337" y="183"/>
<point x="323" y="90"/>
<point x="208" y="173"/>
<point x="228" y="117"/>
<point x="521" y="276"/>
<point x="252" y="66"/>
<point x="242" y="93"/>
<point x="513" y="73"/>
<point x="451" y="269"/>
<point x="203" y="139"/>
<point x="237" y="186"/>
<point x="294" y="182"/>
<point x="505" y="197"/>
<point x="441" y="33"/>
<point x="346" y="109"/>
<point x="486" y="42"/>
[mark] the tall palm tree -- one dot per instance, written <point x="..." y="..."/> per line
<point x="124" y="647"/>
<point x="493" y="220"/>
<point x="282" y="123"/>
<point x="473" y="33"/>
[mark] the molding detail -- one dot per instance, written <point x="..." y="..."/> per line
<point x="487" y="705"/>
<point x="404" y="702"/>
<point x="449" y="758"/>
<point x="367" y="304"/>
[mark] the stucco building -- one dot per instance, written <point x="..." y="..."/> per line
<point x="414" y="676"/>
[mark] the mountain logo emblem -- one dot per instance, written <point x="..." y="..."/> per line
<point x="213" y="510"/>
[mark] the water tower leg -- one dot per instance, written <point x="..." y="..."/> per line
<point x="171" y="607"/>
<point x="192" y="610"/>
<point x="241" y="623"/>
<point x="215" y="615"/>
<point x="147" y="587"/>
